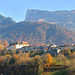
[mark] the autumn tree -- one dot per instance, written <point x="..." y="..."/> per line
<point x="71" y="67"/>
<point x="71" y="56"/>
<point x="65" y="48"/>
<point x="13" y="52"/>
<point x="1" y="48"/>
<point x="44" y="59"/>
<point x="70" y="48"/>
<point x="49" y="60"/>
<point x="61" y="59"/>
<point x="22" y="59"/>
<point x="5" y="43"/>
<point x="38" y="63"/>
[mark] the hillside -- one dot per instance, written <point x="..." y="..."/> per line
<point x="6" y="21"/>
<point x="62" y="18"/>
<point x="37" y="33"/>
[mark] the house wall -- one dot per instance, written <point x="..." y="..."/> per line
<point x="13" y="47"/>
<point x="19" y="46"/>
<point x="25" y="45"/>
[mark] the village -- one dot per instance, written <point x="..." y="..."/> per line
<point x="46" y="48"/>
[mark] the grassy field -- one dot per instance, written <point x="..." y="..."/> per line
<point x="58" y="72"/>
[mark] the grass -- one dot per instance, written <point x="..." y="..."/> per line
<point x="50" y="73"/>
<point x="58" y="72"/>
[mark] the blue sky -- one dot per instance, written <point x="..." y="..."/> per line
<point x="17" y="8"/>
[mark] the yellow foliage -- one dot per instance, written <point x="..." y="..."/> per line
<point x="7" y="55"/>
<point x="69" y="52"/>
<point x="46" y="48"/>
<point x="74" y="52"/>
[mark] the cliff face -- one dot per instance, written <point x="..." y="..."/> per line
<point x="62" y="18"/>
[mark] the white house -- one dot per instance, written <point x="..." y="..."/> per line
<point x="15" y="46"/>
<point x="54" y="46"/>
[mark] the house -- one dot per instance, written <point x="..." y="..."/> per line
<point x="34" y="48"/>
<point x="52" y="49"/>
<point x="16" y="46"/>
<point x="53" y="45"/>
<point x="72" y="46"/>
<point x="24" y="43"/>
<point x="12" y="46"/>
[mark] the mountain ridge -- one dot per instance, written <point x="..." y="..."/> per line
<point x="38" y="33"/>
<point x="63" y="18"/>
<point x="6" y="21"/>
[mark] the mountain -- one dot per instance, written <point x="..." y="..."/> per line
<point x="6" y="21"/>
<point x="37" y="33"/>
<point x="62" y="18"/>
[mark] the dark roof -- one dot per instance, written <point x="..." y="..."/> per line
<point x="13" y="44"/>
<point x="65" y="45"/>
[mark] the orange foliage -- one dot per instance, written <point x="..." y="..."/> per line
<point x="27" y="56"/>
<point x="15" y="56"/>
<point x="0" y="59"/>
<point x="24" y="42"/>
<point x="49" y="60"/>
